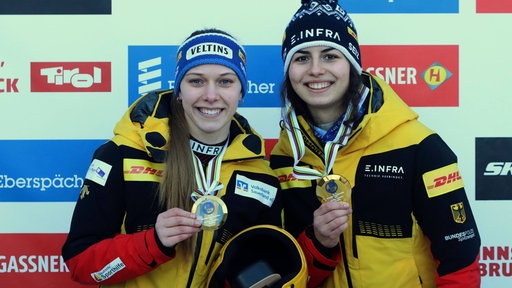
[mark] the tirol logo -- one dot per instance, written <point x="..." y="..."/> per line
<point x="427" y="81"/>
<point x="70" y="76"/>
<point x="493" y="169"/>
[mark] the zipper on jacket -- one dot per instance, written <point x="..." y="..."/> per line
<point x="345" y="261"/>
<point x="196" y="258"/>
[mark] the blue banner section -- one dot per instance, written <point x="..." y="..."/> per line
<point x="152" y="68"/>
<point x="44" y="170"/>
<point x="400" y="6"/>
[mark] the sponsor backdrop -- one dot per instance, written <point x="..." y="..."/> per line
<point x="69" y="71"/>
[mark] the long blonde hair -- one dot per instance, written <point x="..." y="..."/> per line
<point x="179" y="179"/>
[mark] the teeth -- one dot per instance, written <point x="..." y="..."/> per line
<point x="210" y="111"/>
<point x="318" y="85"/>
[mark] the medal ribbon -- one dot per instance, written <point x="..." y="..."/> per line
<point x="331" y="147"/>
<point x="208" y="181"/>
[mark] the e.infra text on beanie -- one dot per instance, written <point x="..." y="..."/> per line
<point x="321" y="23"/>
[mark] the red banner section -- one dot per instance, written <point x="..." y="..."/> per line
<point x="496" y="261"/>
<point x="34" y="260"/>
<point x="493" y="6"/>
<point x="422" y="75"/>
<point x="70" y="77"/>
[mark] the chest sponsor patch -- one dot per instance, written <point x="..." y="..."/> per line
<point x="255" y="189"/>
<point x="98" y="172"/>
<point x="443" y="180"/>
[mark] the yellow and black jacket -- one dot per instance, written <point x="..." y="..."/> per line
<point x="412" y="225"/>
<point x="112" y="239"/>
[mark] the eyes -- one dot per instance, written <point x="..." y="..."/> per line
<point x="326" y="55"/>
<point x="224" y="81"/>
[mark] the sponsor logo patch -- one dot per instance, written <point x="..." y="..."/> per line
<point x="442" y="180"/>
<point x="255" y="189"/>
<point x="287" y="180"/>
<point x="461" y="236"/>
<point x="209" y="48"/>
<point x="109" y="270"/>
<point x="98" y="172"/>
<point x="142" y="170"/>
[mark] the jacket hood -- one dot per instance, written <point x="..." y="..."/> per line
<point x="145" y="126"/>
<point x="385" y="112"/>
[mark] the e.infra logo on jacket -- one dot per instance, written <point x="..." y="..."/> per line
<point x="70" y="77"/>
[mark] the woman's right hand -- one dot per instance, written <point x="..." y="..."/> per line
<point x="329" y="221"/>
<point x="176" y="225"/>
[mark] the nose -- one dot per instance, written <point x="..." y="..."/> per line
<point x="316" y="67"/>
<point x="211" y="93"/>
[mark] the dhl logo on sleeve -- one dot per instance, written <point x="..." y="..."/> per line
<point x="142" y="170"/>
<point x="442" y="180"/>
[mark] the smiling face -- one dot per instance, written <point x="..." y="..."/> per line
<point x="210" y="95"/>
<point x="320" y="76"/>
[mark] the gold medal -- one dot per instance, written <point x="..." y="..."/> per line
<point x="211" y="211"/>
<point x="333" y="188"/>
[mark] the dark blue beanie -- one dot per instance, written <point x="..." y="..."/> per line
<point x="321" y="23"/>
